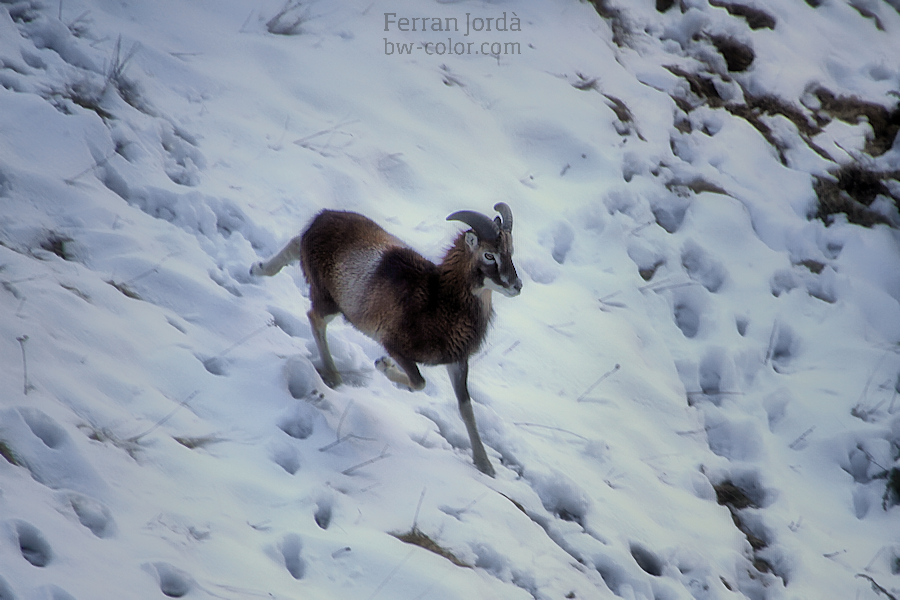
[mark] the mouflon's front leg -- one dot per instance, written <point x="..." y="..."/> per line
<point x="459" y="373"/>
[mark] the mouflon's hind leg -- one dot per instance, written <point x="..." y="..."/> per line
<point x="459" y="374"/>
<point x="403" y="372"/>
<point x="318" y="323"/>
<point x="290" y="253"/>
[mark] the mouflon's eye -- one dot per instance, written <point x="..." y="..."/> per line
<point x="489" y="257"/>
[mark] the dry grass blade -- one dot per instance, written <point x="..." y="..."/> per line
<point x="417" y="538"/>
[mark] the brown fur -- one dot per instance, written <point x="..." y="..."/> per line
<point x="425" y="312"/>
<point x="419" y="311"/>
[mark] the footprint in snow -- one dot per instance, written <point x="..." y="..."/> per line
<point x="669" y="214"/>
<point x="32" y="544"/>
<point x="301" y="378"/>
<point x="290" y="324"/>
<point x="647" y="560"/>
<point x="172" y="581"/>
<point x="701" y="267"/>
<point x="291" y="549"/>
<point x="287" y="457"/>
<point x="688" y="306"/>
<point x="324" y="510"/>
<point x="91" y="513"/>
<point x="563" y="237"/>
<point x="299" y="421"/>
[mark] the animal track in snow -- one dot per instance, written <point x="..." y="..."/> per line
<point x="287" y="457"/>
<point x="701" y="267"/>
<point x="782" y="347"/>
<point x="647" y="560"/>
<point x="289" y="324"/>
<point x="182" y="159"/>
<point x="563" y="236"/>
<point x="291" y="550"/>
<point x="782" y="281"/>
<point x="299" y="421"/>
<point x="47" y="451"/>
<point x="562" y="497"/>
<point x="45" y="428"/>
<point x="215" y="365"/>
<point x="819" y="284"/>
<point x="717" y="374"/>
<point x="300" y="376"/>
<point x="647" y="259"/>
<point x="498" y="565"/>
<point x="324" y="512"/>
<point x="618" y="579"/>
<point x="92" y="514"/>
<point x="447" y="428"/>
<point x="203" y="216"/>
<point x="32" y="544"/>
<point x="173" y="582"/>
<point x="669" y="212"/>
<point x="688" y="307"/>
<point x="734" y="439"/>
<point x="741" y="323"/>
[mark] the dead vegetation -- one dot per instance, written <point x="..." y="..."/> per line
<point x="851" y="190"/>
<point x="58" y="244"/>
<point x="289" y="20"/>
<point x="616" y="18"/>
<point x="738" y="55"/>
<point x="755" y="17"/>
<point x="736" y="499"/>
<point x="664" y="5"/>
<point x="892" y="491"/>
<point x="697" y="185"/>
<point x="885" y="122"/>
<point x="415" y="537"/>
<point x="125" y="290"/>
<point x="868" y="14"/>
<point x="198" y="442"/>
<point x="7" y="453"/>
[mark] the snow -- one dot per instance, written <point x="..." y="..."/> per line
<point x="686" y="328"/>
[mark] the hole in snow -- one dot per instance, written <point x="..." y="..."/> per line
<point x="563" y="236"/>
<point x="301" y="377"/>
<point x="701" y="267"/>
<point x="173" y="582"/>
<point x="742" y="490"/>
<point x="32" y="545"/>
<point x="291" y="547"/>
<point x="323" y="514"/>
<point x="298" y="424"/>
<point x="43" y="427"/>
<point x="781" y="350"/>
<point x="289" y="324"/>
<point x="647" y="560"/>
<point x="215" y="365"/>
<point x="287" y="458"/>
<point x="92" y="514"/>
<point x="687" y="318"/>
<point x="671" y="215"/>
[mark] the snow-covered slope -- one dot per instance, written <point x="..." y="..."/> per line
<point x="695" y="396"/>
